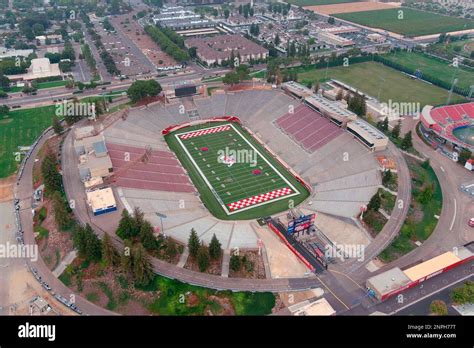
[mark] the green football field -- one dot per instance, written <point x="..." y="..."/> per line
<point x="236" y="177"/>
<point x="409" y="22"/>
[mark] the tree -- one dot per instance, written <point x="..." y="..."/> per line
<point x="464" y="294"/>
<point x="93" y="245"/>
<point x="374" y="203"/>
<point x="231" y="78"/>
<point x="235" y="263"/>
<point x="276" y="40"/>
<point x="215" y="248"/>
<point x="426" y="194"/>
<point x="87" y="243"/>
<point x="141" y="265"/>
<point x="78" y="240"/>
<point x="193" y="243"/>
<point x="438" y="307"/>
<point x="143" y="88"/>
<point x="387" y="177"/>
<point x="407" y="141"/>
<point x="5" y="82"/>
<point x="51" y="177"/>
<point x="61" y="215"/>
<point x="385" y="124"/>
<point x="57" y="127"/>
<point x="126" y="257"/>
<point x="147" y="237"/>
<point x="340" y="94"/>
<point x="331" y="20"/>
<point x="126" y="226"/>
<point x="203" y="258"/>
<point x="171" y="249"/>
<point x="464" y="155"/>
<point x="226" y="13"/>
<point x="109" y="253"/>
<point x="243" y="72"/>
<point x="396" y="130"/>
<point x="192" y="52"/>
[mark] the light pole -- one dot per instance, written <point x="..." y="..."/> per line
<point x="161" y="216"/>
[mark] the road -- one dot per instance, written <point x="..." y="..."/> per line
<point x="355" y="268"/>
<point x="52" y="95"/>
<point x="23" y="191"/>
<point x="411" y="301"/>
<point x="452" y="229"/>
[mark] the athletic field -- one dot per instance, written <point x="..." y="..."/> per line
<point x="236" y="177"/>
<point x="318" y="2"/>
<point x="20" y="128"/>
<point x="382" y="82"/>
<point x="413" y="23"/>
<point x="437" y="68"/>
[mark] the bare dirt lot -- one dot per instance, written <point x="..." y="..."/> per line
<point x="6" y="188"/>
<point x="352" y="7"/>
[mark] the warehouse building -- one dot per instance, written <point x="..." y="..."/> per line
<point x="395" y="280"/>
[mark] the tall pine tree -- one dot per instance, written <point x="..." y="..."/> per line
<point x="193" y="243"/>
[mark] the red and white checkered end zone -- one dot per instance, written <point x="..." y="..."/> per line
<point x="204" y="132"/>
<point x="243" y="203"/>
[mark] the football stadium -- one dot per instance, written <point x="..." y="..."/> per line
<point x="219" y="163"/>
<point x="451" y="124"/>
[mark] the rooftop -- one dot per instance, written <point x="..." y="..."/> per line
<point x="101" y="199"/>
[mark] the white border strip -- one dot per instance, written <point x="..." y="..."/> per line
<point x="219" y="199"/>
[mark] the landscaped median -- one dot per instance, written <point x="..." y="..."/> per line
<point x="425" y="205"/>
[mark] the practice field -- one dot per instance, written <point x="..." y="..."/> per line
<point x="351" y="7"/>
<point x="383" y="83"/>
<point x="413" y="23"/>
<point x="433" y="67"/>
<point x="237" y="178"/>
<point x="21" y="128"/>
<point x="317" y="2"/>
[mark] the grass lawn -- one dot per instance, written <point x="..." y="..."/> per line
<point x="173" y="299"/>
<point x="381" y="82"/>
<point x="21" y="128"/>
<point x="224" y="186"/>
<point x="414" y="22"/>
<point x="433" y="67"/>
<point x="318" y="2"/>
<point x="420" y="222"/>
<point x="42" y="85"/>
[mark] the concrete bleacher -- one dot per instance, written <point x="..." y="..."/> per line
<point x="308" y="128"/>
<point x="313" y="146"/>
<point x="162" y="171"/>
